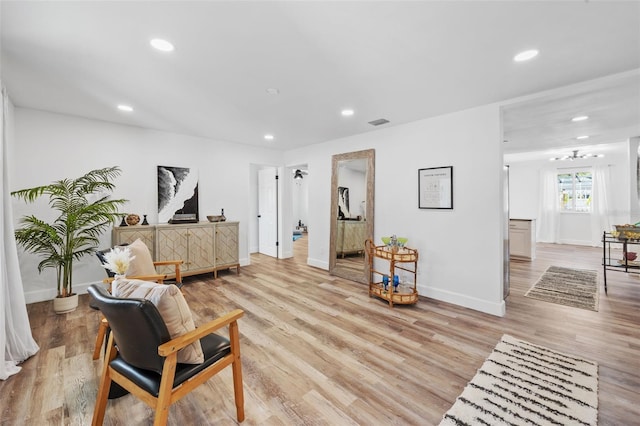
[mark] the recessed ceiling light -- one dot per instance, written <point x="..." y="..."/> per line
<point x="160" y="44"/>
<point x="583" y="137"/>
<point x="347" y="112"/>
<point x="273" y="91"/>
<point x="269" y="137"/>
<point x="580" y="118"/>
<point x="526" y="55"/>
<point x="126" y="108"/>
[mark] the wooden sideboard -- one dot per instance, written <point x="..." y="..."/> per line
<point x="128" y="234"/>
<point x="203" y="246"/>
<point x="350" y="236"/>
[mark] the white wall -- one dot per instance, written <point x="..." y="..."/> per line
<point x="0" y="46"/>
<point x="461" y="249"/>
<point x="52" y="146"/>
<point x="633" y="145"/>
<point x="574" y="228"/>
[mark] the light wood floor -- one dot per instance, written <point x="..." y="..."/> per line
<point x="317" y="350"/>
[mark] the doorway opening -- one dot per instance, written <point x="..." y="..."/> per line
<point x="264" y="229"/>
<point x="300" y="212"/>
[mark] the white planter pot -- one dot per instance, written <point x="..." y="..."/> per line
<point x="62" y="305"/>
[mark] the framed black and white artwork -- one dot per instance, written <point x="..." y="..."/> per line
<point x="177" y="192"/>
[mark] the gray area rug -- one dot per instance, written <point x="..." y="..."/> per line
<point x="526" y="384"/>
<point x="567" y="286"/>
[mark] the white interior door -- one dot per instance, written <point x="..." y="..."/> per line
<point x="268" y="211"/>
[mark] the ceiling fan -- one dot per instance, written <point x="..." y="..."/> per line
<point x="299" y="174"/>
<point x="575" y="156"/>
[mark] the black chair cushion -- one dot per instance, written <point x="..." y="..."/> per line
<point x="214" y="347"/>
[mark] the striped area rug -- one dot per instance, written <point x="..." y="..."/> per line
<point x="567" y="286"/>
<point x="526" y="384"/>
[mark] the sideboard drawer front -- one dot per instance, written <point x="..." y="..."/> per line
<point x="524" y="225"/>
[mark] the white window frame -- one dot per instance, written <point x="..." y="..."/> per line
<point x="573" y="191"/>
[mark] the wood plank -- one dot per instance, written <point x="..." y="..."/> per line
<point x="316" y="349"/>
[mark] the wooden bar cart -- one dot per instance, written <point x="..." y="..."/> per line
<point x="399" y="258"/>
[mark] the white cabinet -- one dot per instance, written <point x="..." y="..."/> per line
<point x="522" y="238"/>
<point x="204" y="246"/>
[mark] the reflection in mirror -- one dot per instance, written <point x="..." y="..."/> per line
<point x="352" y="200"/>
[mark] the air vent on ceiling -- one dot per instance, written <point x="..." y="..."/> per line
<point x="378" y="122"/>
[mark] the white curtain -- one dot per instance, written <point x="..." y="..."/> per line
<point x="549" y="208"/>
<point x="600" y="214"/>
<point x="16" y="341"/>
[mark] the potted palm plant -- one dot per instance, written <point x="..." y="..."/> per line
<point x="75" y="232"/>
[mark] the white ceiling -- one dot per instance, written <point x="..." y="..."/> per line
<point x="542" y="122"/>
<point x="402" y="61"/>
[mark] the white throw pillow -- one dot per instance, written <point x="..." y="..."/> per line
<point x="172" y="307"/>
<point x="142" y="263"/>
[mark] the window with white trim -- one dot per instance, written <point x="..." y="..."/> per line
<point x="574" y="190"/>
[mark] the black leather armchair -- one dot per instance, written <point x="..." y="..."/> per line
<point x="144" y="362"/>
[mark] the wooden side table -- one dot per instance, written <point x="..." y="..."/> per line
<point x="399" y="258"/>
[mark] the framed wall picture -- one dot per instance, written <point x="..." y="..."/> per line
<point x="177" y="192"/>
<point x="435" y="188"/>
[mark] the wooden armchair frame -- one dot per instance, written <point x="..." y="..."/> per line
<point x="168" y="394"/>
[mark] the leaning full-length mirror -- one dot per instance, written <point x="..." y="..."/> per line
<point x="352" y="201"/>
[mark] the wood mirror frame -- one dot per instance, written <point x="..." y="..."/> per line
<point x="334" y="268"/>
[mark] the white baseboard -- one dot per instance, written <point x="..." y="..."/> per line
<point x="486" y="306"/>
<point x="49" y="294"/>
<point x="576" y="242"/>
